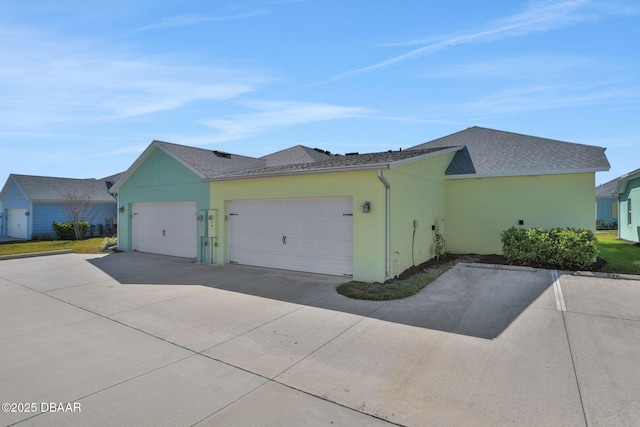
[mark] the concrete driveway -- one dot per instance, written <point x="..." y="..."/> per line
<point x="138" y="339"/>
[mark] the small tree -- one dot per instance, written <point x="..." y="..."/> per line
<point x="78" y="207"/>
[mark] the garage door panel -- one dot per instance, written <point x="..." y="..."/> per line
<point x="17" y="223"/>
<point x="167" y="228"/>
<point x="314" y="235"/>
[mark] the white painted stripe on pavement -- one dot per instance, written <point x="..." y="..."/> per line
<point x="558" y="291"/>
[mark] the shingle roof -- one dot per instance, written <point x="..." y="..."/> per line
<point x="294" y="155"/>
<point x="623" y="181"/>
<point x="607" y="190"/>
<point x="45" y="189"/>
<point x="209" y="163"/>
<point x="494" y="152"/>
<point x="335" y="163"/>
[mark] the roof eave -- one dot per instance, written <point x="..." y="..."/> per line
<point x="525" y="173"/>
<point x="624" y="182"/>
<point x="300" y="172"/>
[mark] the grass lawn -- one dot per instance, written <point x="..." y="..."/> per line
<point x="621" y="256"/>
<point x="87" y="246"/>
<point x="394" y="290"/>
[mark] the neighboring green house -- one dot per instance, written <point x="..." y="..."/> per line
<point x="628" y="191"/>
<point x="370" y="216"/>
<point x="607" y="205"/>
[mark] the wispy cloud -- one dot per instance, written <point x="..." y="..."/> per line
<point x="273" y="115"/>
<point x="539" y="16"/>
<point x="185" y="20"/>
<point x="533" y="98"/>
<point x="46" y="81"/>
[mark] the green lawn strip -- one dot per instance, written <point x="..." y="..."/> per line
<point x="392" y="289"/>
<point x="622" y="257"/>
<point x="87" y="246"/>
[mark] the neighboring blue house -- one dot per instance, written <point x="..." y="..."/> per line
<point x="607" y="205"/>
<point x="30" y="204"/>
<point x="628" y="192"/>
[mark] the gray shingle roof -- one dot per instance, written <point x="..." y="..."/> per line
<point x="334" y="163"/>
<point x="209" y="163"/>
<point x="294" y="155"/>
<point x="494" y="152"/>
<point x="44" y="189"/>
<point x="607" y="190"/>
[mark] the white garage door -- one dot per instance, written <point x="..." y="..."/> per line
<point x="17" y="223"/>
<point x="165" y="228"/>
<point x="314" y="235"/>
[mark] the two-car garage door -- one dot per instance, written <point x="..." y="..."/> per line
<point x="166" y="228"/>
<point x="314" y="235"/>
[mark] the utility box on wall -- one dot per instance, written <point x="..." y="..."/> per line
<point x="202" y="227"/>
<point x="211" y="220"/>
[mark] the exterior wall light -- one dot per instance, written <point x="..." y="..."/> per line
<point x="27" y="213"/>
<point x="366" y="207"/>
<point x="121" y="209"/>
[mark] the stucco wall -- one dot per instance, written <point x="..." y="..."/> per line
<point x="479" y="209"/>
<point x="159" y="178"/>
<point x="368" y="229"/>
<point x="417" y="194"/>
<point x="626" y="230"/>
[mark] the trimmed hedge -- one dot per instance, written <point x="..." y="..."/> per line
<point x="65" y="230"/>
<point x="565" y="249"/>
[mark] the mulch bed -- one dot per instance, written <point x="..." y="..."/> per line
<point x="434" y="264"/>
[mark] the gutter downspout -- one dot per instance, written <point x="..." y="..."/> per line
<point x="387" y="242"/>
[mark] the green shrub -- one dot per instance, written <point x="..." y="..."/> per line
<point x="65" y="230"/>
<point x="566" y="249"/>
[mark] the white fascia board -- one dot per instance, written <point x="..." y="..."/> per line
<point x="300" y="172"/>
<point x="423" y="157"/>
<point x="146" y="153"/>
<point x="624" y="181"/>
<point x="532" y="173"/>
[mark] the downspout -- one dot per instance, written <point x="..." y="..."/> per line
<point x="387" y="242"/>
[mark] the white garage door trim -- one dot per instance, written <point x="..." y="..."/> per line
<point x="17" y="223"/>
<point x="311" y="234"/>
<point x="165" y="228"/>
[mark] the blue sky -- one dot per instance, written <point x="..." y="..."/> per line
<point x="87" y="85"/>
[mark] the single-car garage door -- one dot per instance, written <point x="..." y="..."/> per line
<point x="314" y="235"/>
<point x="167" y="228"/>
<point x="17" y="223"/>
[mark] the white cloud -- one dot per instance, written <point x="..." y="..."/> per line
<point x="273" y="115"/>
<point x="184" y="20"/>
<point x="46" y="81"/>
<point x="539" y="16"/>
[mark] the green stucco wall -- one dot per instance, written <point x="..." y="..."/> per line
<point x="626" y="230"/>
<point x="479" y="209"/>
<point x="159" y="178"/>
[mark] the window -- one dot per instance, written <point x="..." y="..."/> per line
<point x="629" y="211"/>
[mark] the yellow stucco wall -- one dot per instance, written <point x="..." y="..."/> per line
<point x="368" y="229"/>
<point x="479" y="209"/>
<point x="417" y="193"/>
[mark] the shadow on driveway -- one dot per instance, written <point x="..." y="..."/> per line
<point x="467" y="300"/>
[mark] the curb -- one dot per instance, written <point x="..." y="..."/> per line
<point x="607" y="275"/>
<point x="36" y="254"/>
<point x="501" y="267"/>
